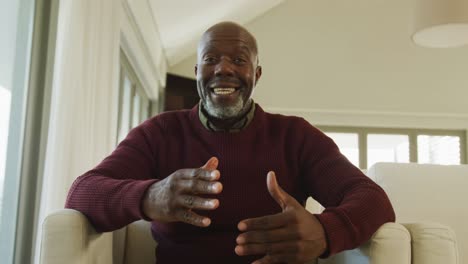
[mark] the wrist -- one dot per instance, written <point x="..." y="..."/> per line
<point x="146" y="203"/>
<point x="322" y="242"/>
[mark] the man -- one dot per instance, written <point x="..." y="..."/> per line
<point x="226" y="182"/>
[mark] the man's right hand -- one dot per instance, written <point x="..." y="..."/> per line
<point x="173" y="198"/>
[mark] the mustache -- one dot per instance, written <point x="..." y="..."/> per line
<point x="230" y="80"/>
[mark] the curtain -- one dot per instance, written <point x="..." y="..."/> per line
<point x="83" y="111"/>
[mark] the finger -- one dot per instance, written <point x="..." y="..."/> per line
<point x="199" y="187"/>
<point x="194" y="202"/>
<point x="198" y="173"/>
<point x="268" y="236"/>
<point x="189" y="217"/>
<point x="275" y="190"/>
<point x="280" y="196"/>
<point x="266" y="222"/>
<point x="289" y="248"/>
<point x="211" y="164"/>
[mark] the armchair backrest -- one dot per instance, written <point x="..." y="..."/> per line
<point x="425" y="192"/>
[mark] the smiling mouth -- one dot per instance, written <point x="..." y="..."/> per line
<point x="223" y="91"/>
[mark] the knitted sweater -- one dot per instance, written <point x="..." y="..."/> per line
<point x="306" y="163"/>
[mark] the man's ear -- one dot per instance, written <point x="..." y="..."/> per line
<point x="258" y="73"/>
<point x="196" y="69"/>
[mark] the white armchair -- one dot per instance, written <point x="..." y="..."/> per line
<point x="418" y="193"/>
<point x="68" y="237"/>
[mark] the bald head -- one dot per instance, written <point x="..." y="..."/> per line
<point x="226" y="31"/>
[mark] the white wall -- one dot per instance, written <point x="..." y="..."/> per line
<point x="352" y="63"/>
<point x="141" y="42"/>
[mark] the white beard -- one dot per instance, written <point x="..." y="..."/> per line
<point x="223" y="112"/>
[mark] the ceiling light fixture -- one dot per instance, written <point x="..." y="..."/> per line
<point x="441" y="23"/>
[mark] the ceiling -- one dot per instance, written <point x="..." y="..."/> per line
<point x="181" y="22"/>
<point x="332" y="61"/>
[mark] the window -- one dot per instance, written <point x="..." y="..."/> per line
<point x="439" y="149"/>
<point x="124" y="106"/>
<point x="5" y="99"/>
<point x="28" y="31"/>
<point x="388" y="148"/>
<point x="348" y="144"/>
<point x="136" y="115"/>
<point x="366" y="146"/>
<point x="134" y="104"/>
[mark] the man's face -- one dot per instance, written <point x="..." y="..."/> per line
<point x="227" y="73"/>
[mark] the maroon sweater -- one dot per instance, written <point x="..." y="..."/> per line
<point x="306" y="162"/>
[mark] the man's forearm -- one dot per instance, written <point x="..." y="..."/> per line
<point x="108" y="203"/>
<point x="362" y="211"/>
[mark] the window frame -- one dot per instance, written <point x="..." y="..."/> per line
<point x="126" y="70"/>
<point x="412" y="134"/>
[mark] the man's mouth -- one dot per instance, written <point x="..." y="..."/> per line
<point x="224" y="90"/>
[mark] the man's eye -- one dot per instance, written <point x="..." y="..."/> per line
<point x="239" y="60"/>
<point x="210" y="59"/>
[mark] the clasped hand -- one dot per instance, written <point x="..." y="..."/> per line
<point x="292" y="236"/>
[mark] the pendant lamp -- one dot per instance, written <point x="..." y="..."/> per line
<point x="441" y="23"/>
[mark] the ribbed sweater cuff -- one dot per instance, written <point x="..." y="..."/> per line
<point x="134" y="198"/>
<point x="335" y="231"/>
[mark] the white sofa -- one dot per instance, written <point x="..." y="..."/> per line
<point x="429" y="193"/>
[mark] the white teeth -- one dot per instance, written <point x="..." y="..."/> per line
<point x="224" y="90"/>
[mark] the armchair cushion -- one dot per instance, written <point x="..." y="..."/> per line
<point x="432" y="243"/>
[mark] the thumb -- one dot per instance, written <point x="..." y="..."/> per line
<point x="280" y="196"/>
<point x="211" y="164"/>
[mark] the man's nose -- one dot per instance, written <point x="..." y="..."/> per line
<point x="224" y="68"/>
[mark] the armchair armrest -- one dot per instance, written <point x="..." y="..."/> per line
<point x="390" y="244"/>
<point x="68" y="237"/>
<point x="432" y="243"/>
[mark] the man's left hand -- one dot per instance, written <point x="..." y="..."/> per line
<point x="292" y="236"/>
